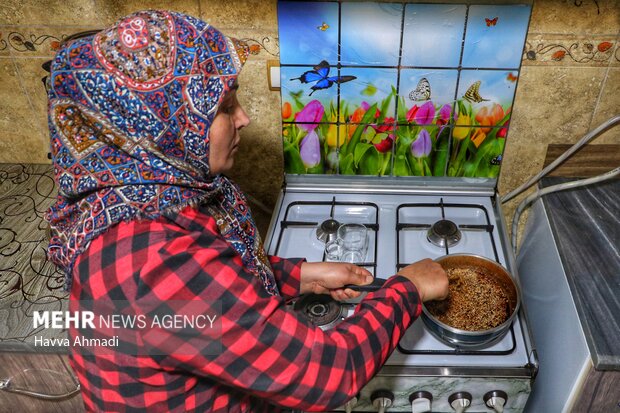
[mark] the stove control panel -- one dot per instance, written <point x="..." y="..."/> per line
<point x="420" y="401"/>
<point x="496" y="400"/>
<point x="348" y="407"/>
<point x="382" y="399"/>
<point x="420" y="394"/>
<point x="460" y="401"/>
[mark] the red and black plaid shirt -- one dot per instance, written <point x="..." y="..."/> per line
<point x="276" y="357"/>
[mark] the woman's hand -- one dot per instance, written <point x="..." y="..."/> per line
<point x="429" y="278"/>
<point x="330" y="277"/>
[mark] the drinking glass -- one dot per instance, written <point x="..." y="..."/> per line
<point x="354" y="242"/>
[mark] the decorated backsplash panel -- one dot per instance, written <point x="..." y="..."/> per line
<point x="398" y="89"/>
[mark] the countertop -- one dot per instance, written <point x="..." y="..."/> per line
<point x="28" y="281"/>
<point x="586" y="226"/>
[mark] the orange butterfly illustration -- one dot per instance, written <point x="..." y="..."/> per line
<point x="323" y="27"/>
<point x="491" y="22"/>
<point x="512" y="77"/>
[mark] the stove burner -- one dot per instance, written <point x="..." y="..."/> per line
<point x="444" y="233"/>
<point x="320" y="309"/>
<point x="327" y="230"/>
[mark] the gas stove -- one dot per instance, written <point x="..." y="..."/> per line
<point x="408" y="221"/>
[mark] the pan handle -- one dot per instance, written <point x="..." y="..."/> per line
<point x="373" y="286"/>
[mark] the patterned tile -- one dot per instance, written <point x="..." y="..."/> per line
<point x="30" y="281"/>
<point x="608" y="106"/>
<point x="109" y="11"/>
<point x="554" y="104"/>
<point x="22" y="140"/>
<point x="544" y="115"/>
<point x="615" y="61"/>
<point x="4" y="49"/>
<point x="49" y="13"/>
<point x="240" y="14"/>
<point x="263" y="44"/>
<point x="570" y="17"/>
<point x="571" y="50"/>
<point x="521" y="162"/>
<point x="30" y="74"/>
<point x="29" y="41"/>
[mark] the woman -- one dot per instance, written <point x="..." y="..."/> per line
<point x="145" y="122"/>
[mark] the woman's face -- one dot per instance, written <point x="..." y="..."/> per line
<point x="224" y="133"/>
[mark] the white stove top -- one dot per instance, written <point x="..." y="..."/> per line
<point x="398" y="224"/>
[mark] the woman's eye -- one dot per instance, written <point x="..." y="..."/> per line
<point x="229" y="109"/>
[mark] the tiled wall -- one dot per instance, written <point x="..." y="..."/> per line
<point x="422" y="89"/>
<point x="569" y="82"/>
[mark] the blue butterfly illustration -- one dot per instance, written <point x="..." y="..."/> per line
<point x="320" y="75"/>
<point x="497" y="160"/>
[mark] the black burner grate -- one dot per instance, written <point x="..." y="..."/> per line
<point x="488" y="228"/>
<point x="320" y="309"/>
<point x="285" y="224"/>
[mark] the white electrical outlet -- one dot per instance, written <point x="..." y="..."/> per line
<point x="273" y="74"/>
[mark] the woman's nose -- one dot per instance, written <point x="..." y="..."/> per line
<point x="243" y="119"/>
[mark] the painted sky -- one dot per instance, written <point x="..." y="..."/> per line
<point x="491" y="43"/>
<point x="371" y="33"/>
<point x="308" y="32"/>
<point x="442" y="85"/>
<point x="494" y="85"/>
<point x="432" y="38"/>
<point x="433" y="34"/>
<point x="380" y="79"/>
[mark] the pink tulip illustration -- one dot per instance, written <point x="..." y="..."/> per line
<point x="426" y="114"/>
<point x="444" y="114"/>
<point x="312" y="112"/>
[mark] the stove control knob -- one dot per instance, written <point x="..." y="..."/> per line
<point x="382" y="399"/>
<point x="348" y="406"/>
<point x="420" y="401"/>
<point x="496" y="399"/>
<point x="460" y="401"/>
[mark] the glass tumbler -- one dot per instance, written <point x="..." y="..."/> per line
<point x="353" y="239"/>
<point x="333" y="250"/>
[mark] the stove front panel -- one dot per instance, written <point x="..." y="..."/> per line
<point x="441" y="388"/>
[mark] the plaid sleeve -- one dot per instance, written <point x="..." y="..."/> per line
<point x="287" y="272"/>
<point x="268" y="351"/>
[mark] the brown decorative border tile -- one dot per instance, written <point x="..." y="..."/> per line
<point x="616" y="59"/>
<point x="44" y="42"/>
<point x="26" y="42"/>
<point x="263" y="43"/>
<point x="266" y="46"/>
<point x="4" y="50"/>
<point x="34" y="41"/>
<point x="574" y="51"/>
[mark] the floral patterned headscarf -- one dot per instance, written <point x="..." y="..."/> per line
<point x="129" y="115"/>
